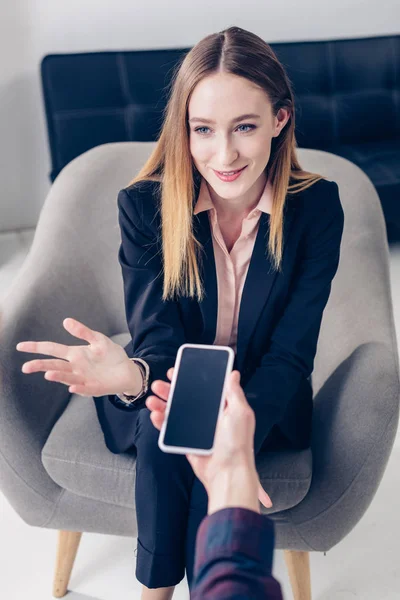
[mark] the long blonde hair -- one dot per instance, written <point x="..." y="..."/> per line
<point x="241" y="53"/>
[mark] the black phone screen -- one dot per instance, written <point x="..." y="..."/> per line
<point x="196" y="398"/>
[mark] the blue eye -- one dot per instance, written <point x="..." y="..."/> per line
<point x="198" y="129"/>
<point x="246" y="125"/>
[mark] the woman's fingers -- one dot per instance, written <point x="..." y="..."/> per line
<point x="52" y="348"/>
<point x="67" y="379"/>
<point x="74" y="327"/>
<point x="79" y="330"/>
<point x="170" y="373"/>
<point x="46" y="365"/>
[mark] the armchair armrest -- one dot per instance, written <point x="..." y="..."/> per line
<point x="71" y="270"/>
<point x="355" y="420"/>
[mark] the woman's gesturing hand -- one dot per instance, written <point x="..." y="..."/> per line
<point x="99" y="368"/>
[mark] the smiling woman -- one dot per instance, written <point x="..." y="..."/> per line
<point x="210" y="211"/>
<point x="224" y="240"/>
<point x="231" y="108"/>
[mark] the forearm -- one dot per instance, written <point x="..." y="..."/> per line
<point x="236" y="487"/>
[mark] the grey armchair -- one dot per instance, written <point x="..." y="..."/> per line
<point x="55" y="469"/>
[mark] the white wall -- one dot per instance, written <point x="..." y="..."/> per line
<point x="30" y="29"/>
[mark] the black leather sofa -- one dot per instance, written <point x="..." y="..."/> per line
<point x="347" y="92"/>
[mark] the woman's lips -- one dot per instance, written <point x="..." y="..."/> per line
<point x="232" y="177"/>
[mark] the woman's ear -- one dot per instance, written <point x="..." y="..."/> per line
<point x="282" y="117"/>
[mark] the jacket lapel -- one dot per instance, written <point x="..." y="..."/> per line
<point x="257" y="288"/>
<point x="259" y="281"/>
<point x="209" y="305"/>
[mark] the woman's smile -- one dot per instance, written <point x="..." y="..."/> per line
<point x="229" y="175"/>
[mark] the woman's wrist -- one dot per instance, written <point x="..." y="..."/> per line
<point x="135" y="379"/>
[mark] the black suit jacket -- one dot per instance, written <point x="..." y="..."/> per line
<point x="280" y="313"/>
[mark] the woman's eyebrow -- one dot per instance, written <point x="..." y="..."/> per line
<point x="241" y="118"/>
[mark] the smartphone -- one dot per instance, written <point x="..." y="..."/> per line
<point x="196" y="398"/>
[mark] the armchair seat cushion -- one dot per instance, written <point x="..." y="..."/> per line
<point x="76" y="458"/>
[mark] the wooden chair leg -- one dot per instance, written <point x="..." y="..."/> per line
<point x="298" y="566"/>
<point x="67" y="547"/>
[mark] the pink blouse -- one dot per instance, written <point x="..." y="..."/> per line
<point x="231" y="267"/>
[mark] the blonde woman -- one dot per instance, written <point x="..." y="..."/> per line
<point x="225" y="240"/>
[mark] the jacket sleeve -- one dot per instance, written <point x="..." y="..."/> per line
<point x="234" y="555"/>
<point x="289" y="358"/>
<point x="155" y="326"/>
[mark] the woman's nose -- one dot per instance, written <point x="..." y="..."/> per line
<point x="227" y="155"/>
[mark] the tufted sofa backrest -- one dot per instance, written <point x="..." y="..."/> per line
<point x="347" y="92"/>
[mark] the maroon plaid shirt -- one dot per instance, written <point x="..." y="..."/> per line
<point x="234" y="554"/>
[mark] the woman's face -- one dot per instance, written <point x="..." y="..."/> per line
<point x="222" y="139"/>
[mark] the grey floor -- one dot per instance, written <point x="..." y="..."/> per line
<point x="364" y="565"/>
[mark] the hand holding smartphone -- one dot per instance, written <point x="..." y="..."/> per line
<point x="196" y="398"/>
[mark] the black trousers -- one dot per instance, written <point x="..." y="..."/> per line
<point x="171" y="502"/>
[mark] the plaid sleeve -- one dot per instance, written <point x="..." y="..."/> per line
<point x="234" y="555"/>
